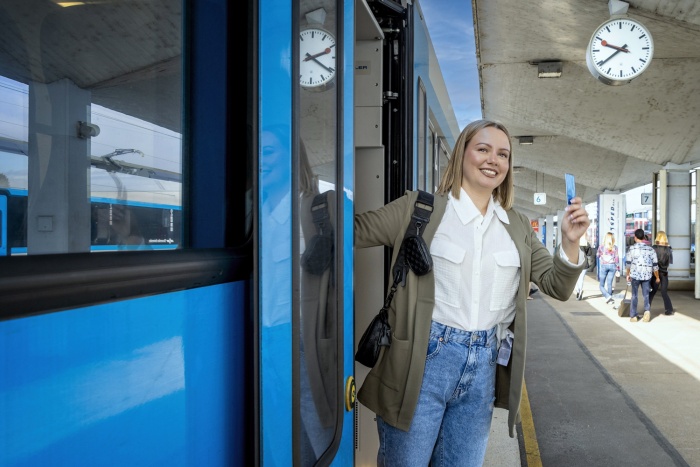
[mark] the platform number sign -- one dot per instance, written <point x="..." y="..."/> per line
<point x="540" y="198"/>
<point x="646" y="198"/>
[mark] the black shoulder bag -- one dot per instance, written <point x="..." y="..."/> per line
<point x="414" y="254"/>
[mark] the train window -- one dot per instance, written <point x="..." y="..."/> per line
<point x="317" y="173"/>
<point x="91" y="133"/>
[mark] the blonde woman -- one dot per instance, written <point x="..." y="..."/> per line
<point x="608" y="265"/>
<point x="664" y="254"/>
<point x="434" y="388"/>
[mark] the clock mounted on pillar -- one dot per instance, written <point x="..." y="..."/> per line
<point x="619" y="51"/>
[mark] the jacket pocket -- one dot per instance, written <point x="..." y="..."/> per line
<point x="447" y="264"/>
<point x="506" y="279"/>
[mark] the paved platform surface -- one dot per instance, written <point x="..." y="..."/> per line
<point x="604" y="391"/>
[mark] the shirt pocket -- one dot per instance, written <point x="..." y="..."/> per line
<point x="447" y="264"/>
<point x="506" y="279"/>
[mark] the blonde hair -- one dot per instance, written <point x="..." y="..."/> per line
<point x="451" y="181"/>
<point x="609" y="240"/>
<point x="661" y="238"/>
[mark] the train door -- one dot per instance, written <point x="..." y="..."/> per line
<point x="304" y="232"/>
<point x="3" y="223"/>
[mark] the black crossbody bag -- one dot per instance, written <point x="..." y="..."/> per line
<point x="413" y="254"/>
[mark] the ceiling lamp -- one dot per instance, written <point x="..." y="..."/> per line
<point x="526" y="139"/>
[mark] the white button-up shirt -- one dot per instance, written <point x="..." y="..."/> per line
<point x="476" y="267"/>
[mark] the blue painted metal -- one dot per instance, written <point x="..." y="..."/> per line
<point x="346" y="452"/>
<point x="150" y="381"/>
<point x="3" y="224"/>
<point x="275" y="233"/>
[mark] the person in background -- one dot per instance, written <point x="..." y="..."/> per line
<point x="608" y="265"/>
<point x="434" y="388"/>
<point x="664" y="255"/>
<point x="585" y="246"/>
<point x="641" y="264"/>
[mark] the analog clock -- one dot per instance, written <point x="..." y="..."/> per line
<point x="619" y="50"/>
<point x="317" y="54"/>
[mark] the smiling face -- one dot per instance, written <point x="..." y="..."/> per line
<point x="486" y="163"/>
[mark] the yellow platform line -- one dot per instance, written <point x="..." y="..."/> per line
<point x="532" y="449"/>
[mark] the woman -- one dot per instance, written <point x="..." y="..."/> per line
<point x="431" y="407"/>
<point x="664" y="254"/>
<point x="608" y="266"/>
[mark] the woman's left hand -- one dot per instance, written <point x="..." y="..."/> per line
<point x="574" y="226"/>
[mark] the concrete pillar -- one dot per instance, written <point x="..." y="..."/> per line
<point x="674" y="217"/>
<point x="58" y="212"/>
<point x="697" y="233"/>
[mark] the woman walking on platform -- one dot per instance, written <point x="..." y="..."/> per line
<point x="608" y="265"/>
<point x="665" y="257"/>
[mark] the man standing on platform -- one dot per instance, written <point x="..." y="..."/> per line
<point x="641" y="263"/>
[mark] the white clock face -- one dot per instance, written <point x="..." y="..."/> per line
<point x="317" y="54"/>
<point x="619" y="51"/>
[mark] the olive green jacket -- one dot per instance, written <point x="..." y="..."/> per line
<point x="391" y="388"/>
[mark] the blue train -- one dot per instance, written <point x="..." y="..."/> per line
<point x="178" y="283"/>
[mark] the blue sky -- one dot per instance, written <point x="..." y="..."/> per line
<point x="451" y="30"/>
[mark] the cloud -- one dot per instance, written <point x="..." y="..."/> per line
<point x="451" y="30"/>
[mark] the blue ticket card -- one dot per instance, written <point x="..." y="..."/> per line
<point x="570" y="188"/>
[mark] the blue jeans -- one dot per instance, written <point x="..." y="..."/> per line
<point x="452" y="421"/>
<point x="606" y="272"/>
<point x="645" y="295"/>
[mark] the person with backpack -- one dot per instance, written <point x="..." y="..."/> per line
<point x="642" y="264"/>
<point x="664" y="254"/>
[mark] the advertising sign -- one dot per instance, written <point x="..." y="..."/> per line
<point x="612" y="212"/>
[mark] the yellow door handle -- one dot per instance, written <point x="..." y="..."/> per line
<point x="349" y="393"/>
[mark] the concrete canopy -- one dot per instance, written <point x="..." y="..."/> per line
<point x="610" y="137"/>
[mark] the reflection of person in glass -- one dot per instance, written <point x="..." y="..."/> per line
<point x="124" y="228"/>
<point x="318" y="344"/>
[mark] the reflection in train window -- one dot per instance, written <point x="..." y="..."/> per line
<point x="91" y="132"/>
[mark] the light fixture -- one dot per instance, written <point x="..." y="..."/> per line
<point x="526" y="139"/>
<point x="549" y="69"/>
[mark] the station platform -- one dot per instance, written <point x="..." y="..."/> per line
<point x="604" y="391"/>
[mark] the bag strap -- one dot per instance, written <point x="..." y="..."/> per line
<point x="319" y="213"/>
<point x="422" y="209"/>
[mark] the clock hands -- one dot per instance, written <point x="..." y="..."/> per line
<point x="313" y="57"/>
<point x="617" y="51"/>
<point x="605" y="43"/>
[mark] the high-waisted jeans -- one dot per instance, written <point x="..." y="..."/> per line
<point x="452" y="420"/>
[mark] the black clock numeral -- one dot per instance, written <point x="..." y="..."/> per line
<point x="620" y="23"/>
<point x="642" y="60"/>
<point x="645" y="48"/>
<point x="642" y="36"/>
<point x="598" y="37"/>
<point x="633" y="26"/>
<point x="620" y="73"/>
<point x="600" y="63"/>
<point x="633" y="70"/>
<point x="596" y="50"/>
<point x="607" y="28"/>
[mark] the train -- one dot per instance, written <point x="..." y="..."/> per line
<point x="178" y="282"/>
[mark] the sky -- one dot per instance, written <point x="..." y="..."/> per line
<point x="451" y="29"/>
